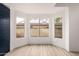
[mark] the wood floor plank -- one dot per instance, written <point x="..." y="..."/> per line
<point x="40" y="50"/>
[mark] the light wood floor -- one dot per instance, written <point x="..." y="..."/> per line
<point x="40" y="50"/>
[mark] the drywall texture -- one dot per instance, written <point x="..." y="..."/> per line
<point x="17" y="42"/>
<point x="60" y="41"/>
<point x="73" y="28"/>
<point x="12" y="30"/>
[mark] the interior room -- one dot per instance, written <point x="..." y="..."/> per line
<point x="39" y="29"/>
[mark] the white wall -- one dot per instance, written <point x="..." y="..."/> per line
<point x="72" y="22"/>
<point x="12" y="29"/>
<point x="70" y="40"/>
<point x="20" y="42"/>
<point x="60" y="41"/>
<point x="67" y="28"/>
<point x="74" y="28"/>
<point x="16" y="42"/>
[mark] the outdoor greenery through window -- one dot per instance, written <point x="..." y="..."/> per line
<point x="39" y="27"/>
<point x="58" y="27"/>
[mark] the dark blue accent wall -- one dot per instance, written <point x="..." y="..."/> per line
<point x="4" y="29"/>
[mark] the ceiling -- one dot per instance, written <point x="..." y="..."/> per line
<point x="34" y="7"/>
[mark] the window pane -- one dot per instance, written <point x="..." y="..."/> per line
<point x="19" y="27"/>
<point x="34" y="27"/>
<point x="35" y="31"/>
<point x="58" y="27"/>
<point x="39" y="27"/>
<point x="44" y="28"/>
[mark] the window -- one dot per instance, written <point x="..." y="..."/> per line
<point x="58" y="27"/>
<point x="19" y="27"/>
<point x="44" y="27"/>
<point x="39" y="27"/>
<point x="34" y="27"/>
